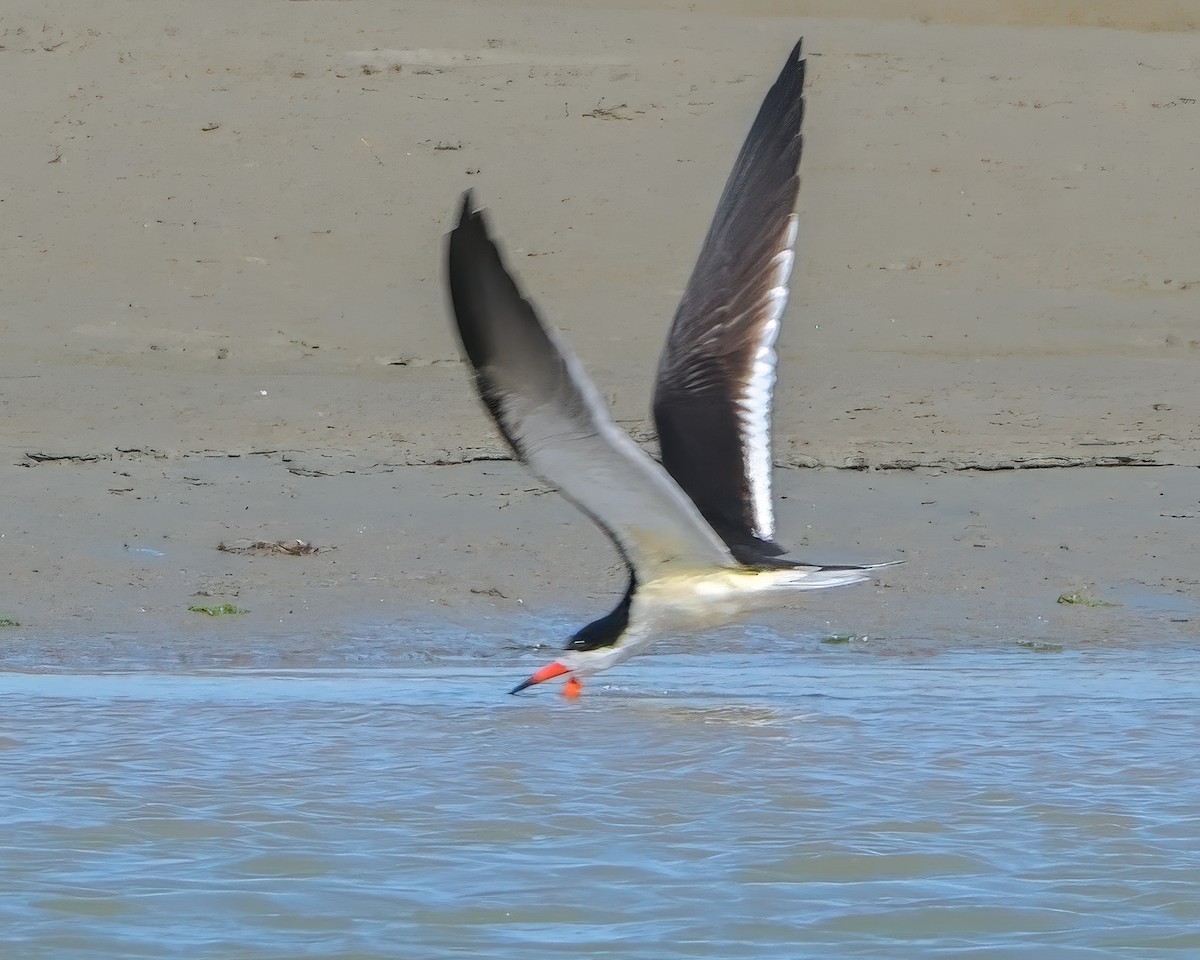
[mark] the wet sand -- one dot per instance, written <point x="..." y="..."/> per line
<point x="223" y="317"/>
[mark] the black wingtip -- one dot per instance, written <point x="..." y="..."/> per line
<point x="467" y="207"/>
<point x="793" y="69"/>
<point x="797" y="61"/>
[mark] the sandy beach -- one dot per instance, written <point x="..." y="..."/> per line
<point x="223" y="316"/>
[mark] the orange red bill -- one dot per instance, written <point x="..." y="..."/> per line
<point x="548" y="672"/>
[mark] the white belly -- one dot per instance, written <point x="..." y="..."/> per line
<point x="704" y="600"/>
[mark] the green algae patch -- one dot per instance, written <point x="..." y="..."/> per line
<point x="217" y="610"/>
<point x="1083" y="599"/>
<point x="9" y="622"/>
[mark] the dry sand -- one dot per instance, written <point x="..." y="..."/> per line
<point x="222" y="314"/>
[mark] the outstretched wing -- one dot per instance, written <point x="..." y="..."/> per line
<point x="556" y="421"/>
<point x="712" y="401"/>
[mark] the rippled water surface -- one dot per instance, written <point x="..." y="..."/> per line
<point x="823" y="802"/>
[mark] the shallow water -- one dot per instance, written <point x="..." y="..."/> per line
<point x="832" y="801"/>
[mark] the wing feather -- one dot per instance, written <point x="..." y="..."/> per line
<point x="556" y="421"/>
<point x="716" y="376"/>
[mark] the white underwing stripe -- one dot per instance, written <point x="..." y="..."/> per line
<point x="754" y="404"/>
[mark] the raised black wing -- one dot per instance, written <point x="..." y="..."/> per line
<point x="556" y="421"/>
<point x="712" y="400"/>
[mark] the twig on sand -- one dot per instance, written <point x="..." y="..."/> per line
<point x="372" y="151"/>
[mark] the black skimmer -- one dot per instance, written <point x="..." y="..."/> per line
<point x="697" y="532"/>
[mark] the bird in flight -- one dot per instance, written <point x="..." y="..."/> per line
<point x="697" y="532"/>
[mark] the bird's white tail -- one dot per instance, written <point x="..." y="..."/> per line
<point x="818" y="578"/>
